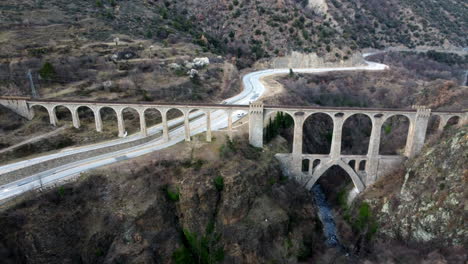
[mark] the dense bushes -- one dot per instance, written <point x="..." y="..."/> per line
<point x="280" y="122"/>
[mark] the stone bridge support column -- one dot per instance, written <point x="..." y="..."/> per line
<point x="256" y="124"/>
<point x="143" y="129"/>
<point x="75" y="117"/>
<point x="229" y="117"/>
<point x="463" y="120"/>
<point x="417" y="132"/>
<point x="187" y="125"/>
<point x="335" y="150"/>
<point x="52" y="115"/>
<point x="120" y="122"/>
<point x="208" y="125"/>
<point x="97" y="119"/>
<point x="297" y="142"/>
<point x="372" y="163"/>
<point x="442" y="123"/>
<point x="164" y="124"/>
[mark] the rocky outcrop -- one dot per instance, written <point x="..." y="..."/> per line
<point x="297" y="60"/>
<point x="426" y="202"/>
<point x="319" y="6"/>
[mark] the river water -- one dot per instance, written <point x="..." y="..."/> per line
<point x="326" y="217"/>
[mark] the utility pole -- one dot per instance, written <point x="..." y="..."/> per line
<point x="31" y="82"/>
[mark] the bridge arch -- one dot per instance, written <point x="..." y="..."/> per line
<point x="175" y="116"/>
<point x="84" y="115"/>
<point x="85" y="112"/>
<point x="356" y="133"/>
<point x="63" y="113"/>
<point x="109" y="119"/>
<point x="320" y="125"/>
<point x="452" y="121"/>
<point x="153" y="116"/>
<point x="322" y="168"/>
<point x="40" y="111"/>
<point x="131" y="119"/>
<point x="394" y="134"/>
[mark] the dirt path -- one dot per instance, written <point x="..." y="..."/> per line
<point x="34" y="139"/>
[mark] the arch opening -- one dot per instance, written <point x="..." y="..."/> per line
<point x="356" y="134"/>
<point x="131" y="120"/>
<point x="63" y="114"/>
<point x="279" y="124"/>
<point x="109" y="120"/>
<point x="394" y="133"/>
<point x="317" y="134"/>
<point x="335" y="183"/>
<point x="362" y="165"/>
<point x="175" y="118"/>
<point x="86" y="116"/>
<point x="153" y="117"/>
<point x="453" y="121"/>
<point x="352" y="164"/>
<point x="305" y="165"/>
<point x="315" y="164"/>
<point x="40" y="114"/>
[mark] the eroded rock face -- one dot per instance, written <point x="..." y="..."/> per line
<point x="428" y="206"/>
<point x="319" y="6"/>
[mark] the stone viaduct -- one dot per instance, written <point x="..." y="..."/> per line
<point x="364" y="170"/>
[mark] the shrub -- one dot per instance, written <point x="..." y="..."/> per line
<point x="202" y="250"/>
<point x="173" y="196"/>
<point x="219" y="183"/>
<point x="47" y="72"/>
<point x="61" y="191"/>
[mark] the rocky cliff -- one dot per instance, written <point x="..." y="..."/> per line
<point x="426" y="203"/>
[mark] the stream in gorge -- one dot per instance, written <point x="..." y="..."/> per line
<point x="326" y="217"/>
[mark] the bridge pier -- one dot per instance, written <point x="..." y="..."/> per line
<point x="335" y="150"/>
<point x="417" y="132"/>
<point x="187" y="125"/>
<point x="143" y="130"/>
<point x="256" y="124"/>
<point x="52" y="115"/>
<point x="97" y="119"/>
<point x="165" y="125"/>
<point x="75" y="117"/>
<point x="120" y="123"/>
<point x="372" y="163"/>
<point x="299" y="119"/>
<point x="208" y="125"/>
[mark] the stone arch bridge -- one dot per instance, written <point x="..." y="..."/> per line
<point x="364" y="170"/>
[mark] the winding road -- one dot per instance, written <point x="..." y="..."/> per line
<point x="253" y="89"/>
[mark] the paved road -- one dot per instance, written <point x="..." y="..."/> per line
<point x="253" y="89"/>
